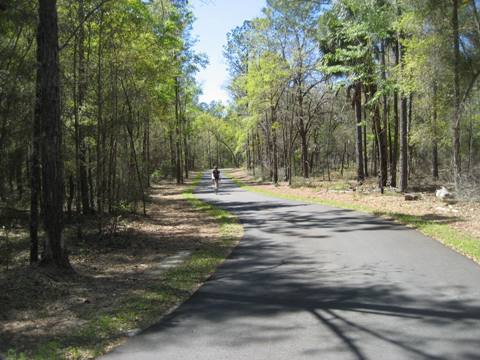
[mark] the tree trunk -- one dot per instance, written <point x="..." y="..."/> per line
<point x="172" y="152"/>
<point x="365" y="141"/>
<point x="403" y="144"/>
<point x="82" y="83"/>
<point x="456" y="160"/>
<point x="396" y="122"/>
<point x="411" y="149"/>
<point x="435" y="135"/>
<point x="381" y="138"/>
<point x="471" y="140"/>
<point x="47" y="109"/>
<point x="274" y="144"/>
<point x="71" y="195"/>
<point x="403" y="136"/>
<point x="186" y="154"/>
<point x="35" y="188"/>
<point x="178" y="149"/>
<point x="100" y="133"/>
<point x="343" y="158"/>
<point x="357" y="103"/>
<point x="254" y="162"/>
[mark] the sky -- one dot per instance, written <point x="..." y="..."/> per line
<point x="215" y="18"/>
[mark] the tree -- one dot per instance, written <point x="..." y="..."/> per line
<point x="47" y="113"/>
<point x="265" y="84"/>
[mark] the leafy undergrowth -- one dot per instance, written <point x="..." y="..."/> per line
<point x="116" y="290"/>
<point x="456" y="226"/>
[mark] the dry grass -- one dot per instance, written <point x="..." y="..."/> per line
<point x="463" y="215"/>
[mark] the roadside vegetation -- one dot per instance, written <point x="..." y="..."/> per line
<point x="124" y="281"/>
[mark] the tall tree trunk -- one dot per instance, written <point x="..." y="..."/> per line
<point x="357" y="103"/>
<point x="71" y="195"/>
<point x="172" y="151"/>
<point x="382" y="149"/>
<point x="47" y="109"/>
<point x="435" y="134"/>
<point x="381" y="138"/>
<point x="403" y="144"/>
<point x="100" y="175"/>
<point x="396" y="122"/>
<point x="343" y="158"/>
<point x="275" y="146"/>
<point x="384" y="136"/>
<point x="365" y="140"/>
<point x="147" y="159"/>
<point x="209" y="152"/>
<point x="249" y="164"/>
<point x="82" y="83"/>
<point x="411" y="148"/>
<point x="254" y="163"/>
<point x="303" y="136"/>
<point x="76" y="115"/>
<point x="186" y="154"/>
<point x="178" y="149"/>
<point x="403" y="135"/>
<point x="471" y="140"/>
<point x="137" y="168"/>
<point x="35" y="187"/>
<point x="456" y="160"/>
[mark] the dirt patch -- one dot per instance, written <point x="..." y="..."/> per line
<point x="37" y="306"/>
<point x="462" y="215"/>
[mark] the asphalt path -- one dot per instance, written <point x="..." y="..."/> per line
<point x="315" y="282"/>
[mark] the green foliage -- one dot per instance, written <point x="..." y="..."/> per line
<point x="349" y="34"/>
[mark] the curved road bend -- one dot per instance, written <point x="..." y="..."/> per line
<point x="315" y="282"/>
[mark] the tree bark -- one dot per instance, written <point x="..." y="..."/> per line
<point x="47" y="109"/>
<point x="100" y="175"/>
<point x="275" y="146"/>
<point x="456" y="159"/>
<point x="403" y="136"/>
<point x="384" y="137"/>
<point x="396" y="122"/>
<point x="435" y="135"/>
<point x="357" y="104"/>
<point x="35" y="188"/>
<point x="82" y="83"/>
<point x="381" y="138"/>
<point x="178" y="149"/>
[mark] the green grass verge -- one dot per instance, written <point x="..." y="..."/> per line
<point x="147" y="307"/>
<point x="459" y="241"/>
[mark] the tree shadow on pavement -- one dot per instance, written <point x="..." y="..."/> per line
<point x="268" y="278"/>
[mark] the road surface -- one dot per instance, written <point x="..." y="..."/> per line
<point x="315" y="282"/>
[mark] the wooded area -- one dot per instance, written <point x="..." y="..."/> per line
<point x="98" y="100"/>
<point x="108" y="107"/>
<point x="387" y="87"/>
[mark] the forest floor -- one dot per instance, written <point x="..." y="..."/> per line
<point x="456" y="224"/>
<point x="123" y="282"/>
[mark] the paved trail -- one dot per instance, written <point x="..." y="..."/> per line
<point x="314" y="282"/>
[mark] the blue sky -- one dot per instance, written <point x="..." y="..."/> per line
<point x="214" y="19"/>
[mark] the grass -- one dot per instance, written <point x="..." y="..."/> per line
<point x="459" y="241"/>
<point x="102" y="331"/>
